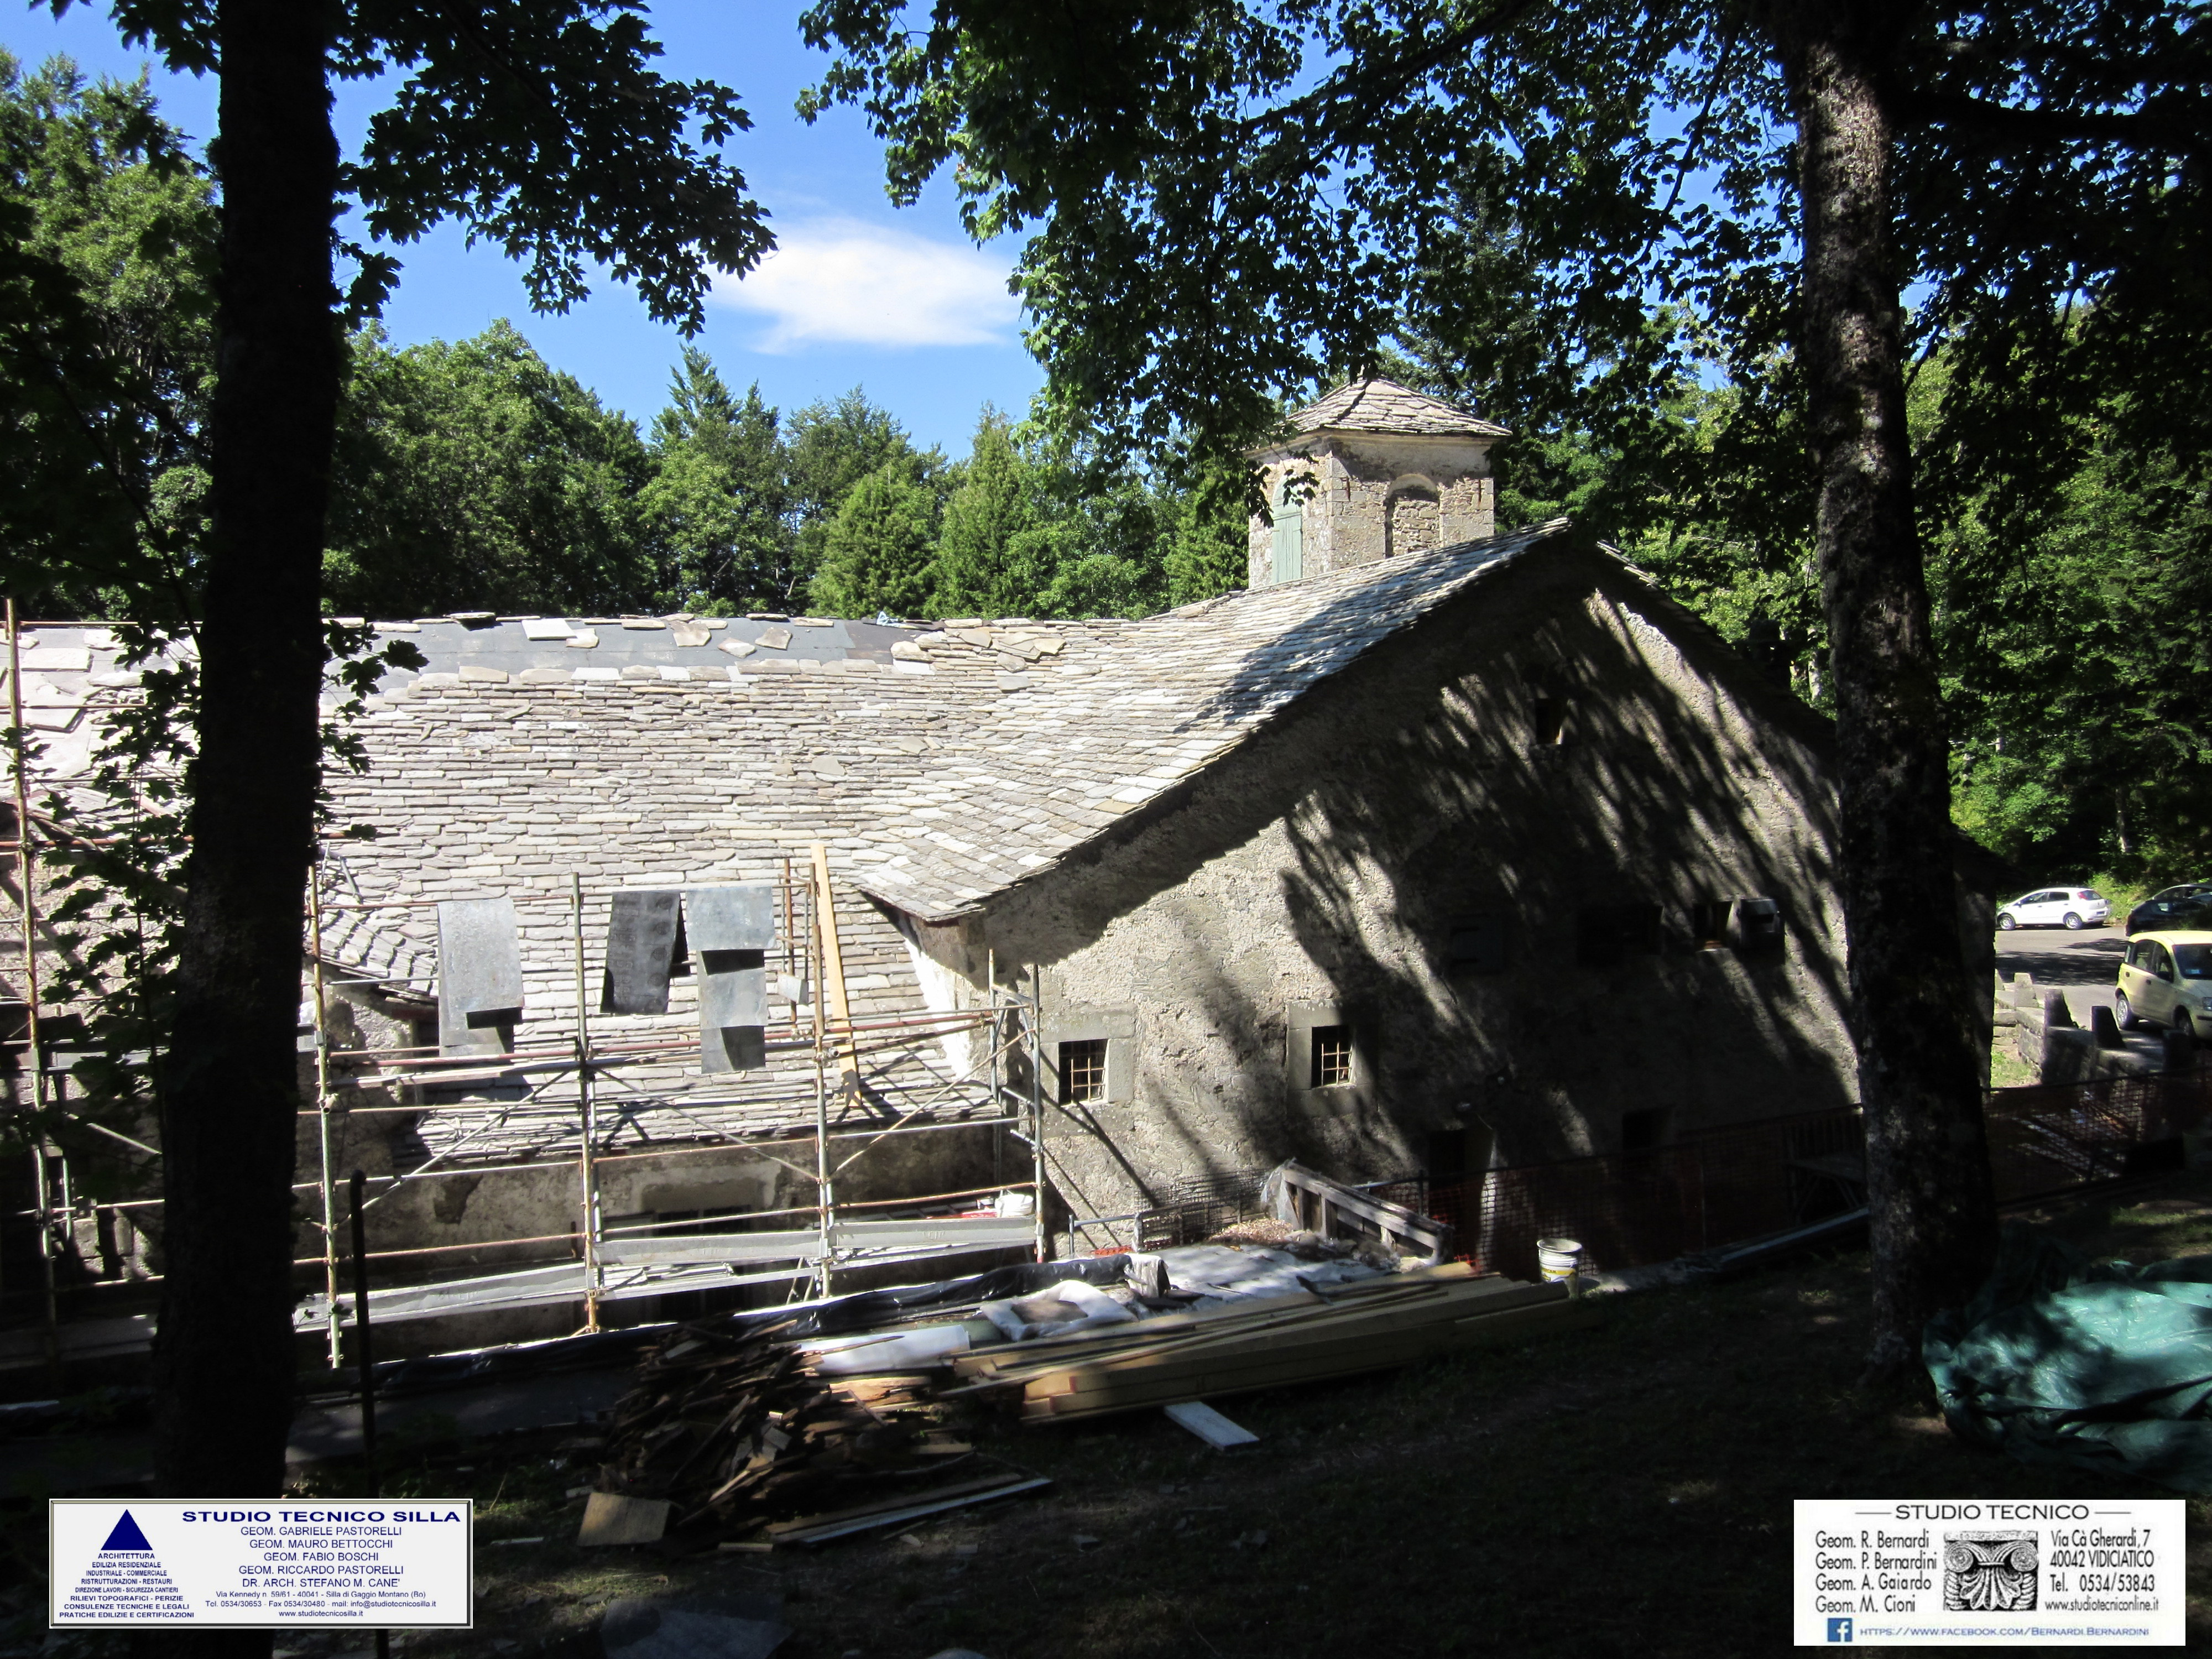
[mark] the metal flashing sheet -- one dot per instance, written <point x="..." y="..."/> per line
<point x="733" y="918"/>
<point x="479" y="975"/>
<point x="730" y="930"/>
<point x="645" y="949"/>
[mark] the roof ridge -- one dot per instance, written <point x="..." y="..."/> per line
<point x="1376" y="404"/>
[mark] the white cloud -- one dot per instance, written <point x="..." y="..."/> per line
<point x="839" y="282"/>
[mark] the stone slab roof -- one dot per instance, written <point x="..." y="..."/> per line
<point x="945" y="763"/>
<point x="941" y="764"/>
<point x="1379" y="405"/>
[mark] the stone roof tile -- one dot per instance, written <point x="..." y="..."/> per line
<point x="647" y="753"/>
<point x="1379" y="405"/>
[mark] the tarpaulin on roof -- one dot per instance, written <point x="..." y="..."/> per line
<point x="2095" y="1364"/>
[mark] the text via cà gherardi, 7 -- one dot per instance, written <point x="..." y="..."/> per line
<point x="1976" y="1572"/>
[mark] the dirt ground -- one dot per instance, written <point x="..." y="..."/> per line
<point x="1622" y="1490"/>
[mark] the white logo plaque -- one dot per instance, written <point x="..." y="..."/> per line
<point x="373" y="1564"/>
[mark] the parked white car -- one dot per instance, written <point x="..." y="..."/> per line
<point x="2056" y="907"/>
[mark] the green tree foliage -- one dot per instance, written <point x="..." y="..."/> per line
<point x="1228" y="201"/>
<point x="992" y="559"/>
<point x="106" y="247"/>
<point x="1039" y="527"/>
<point x="473" y="475"/>
<point x="832" y="446"/>
<point x="879" y="551"/>
<point x="2077" y="666"/>
<point x="1101" y="537"/>
<point x="1209" y="541"/>
<point x="544" y="126"/>
<point x="717" y="505"/>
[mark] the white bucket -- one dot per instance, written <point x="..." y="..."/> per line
<point x="1560" y="1260"/>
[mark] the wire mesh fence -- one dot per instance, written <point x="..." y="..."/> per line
<point x="1745" y="1180"/>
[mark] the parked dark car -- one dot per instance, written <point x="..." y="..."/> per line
<point x="2172" y="907"/>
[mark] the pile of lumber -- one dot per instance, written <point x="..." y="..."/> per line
<point x="1366" y="1325"/>
<point x="732" y="1427"/>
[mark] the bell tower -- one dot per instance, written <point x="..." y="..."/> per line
<point x="1372" y="472"/>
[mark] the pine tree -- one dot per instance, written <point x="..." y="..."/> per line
<point x="879" y="553"/>
<point x="1208" y="551"/>
<point x="829" y="448"/>
<point x="718" y="507"/>
<point x="989" y="561"/>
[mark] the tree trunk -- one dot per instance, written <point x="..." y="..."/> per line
<point x="223" y="1363"/>
<point x="1934" y="1216"/>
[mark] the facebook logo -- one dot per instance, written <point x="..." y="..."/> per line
<point x="1839" y="1629"/>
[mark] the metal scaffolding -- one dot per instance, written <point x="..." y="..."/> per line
<point x="564" y="1067"/>
<point x="614" y="1263"/>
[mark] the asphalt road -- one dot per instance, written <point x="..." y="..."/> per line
<point x="2056" y="956"/>
<point x="2084" y="965"/>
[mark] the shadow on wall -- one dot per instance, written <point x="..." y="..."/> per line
<point x="1584" y="768"/>
<point x="1531" y="748"/>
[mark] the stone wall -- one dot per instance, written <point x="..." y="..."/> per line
<point x="1367" y="497"/>
<point x="1538" y="760"/>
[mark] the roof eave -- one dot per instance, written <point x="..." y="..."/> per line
<point x="1485" y="437"/>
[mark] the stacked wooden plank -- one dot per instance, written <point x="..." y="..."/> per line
<point x="1364" y="1326"/>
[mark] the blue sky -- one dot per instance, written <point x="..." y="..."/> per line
<point x="860" y="294"/>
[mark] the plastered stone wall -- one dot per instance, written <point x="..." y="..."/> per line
<point x="1318" y="878"/>
<point x="1371" y="497"/>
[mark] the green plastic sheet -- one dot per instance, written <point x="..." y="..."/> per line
<point x="2093" y="1365"/>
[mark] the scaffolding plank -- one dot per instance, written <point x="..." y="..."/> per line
<point x="977" y="1232"/>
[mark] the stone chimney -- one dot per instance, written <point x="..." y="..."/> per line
<point x="1374" y="470"/>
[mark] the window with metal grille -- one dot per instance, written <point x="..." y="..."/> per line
<point x="1332" y="1056"/>
<point x="1709" y="924"/>
<point x="1083" y="1070"/>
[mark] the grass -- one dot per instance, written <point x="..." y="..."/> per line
<point x="2007" y="1069"/>
<point x="1621" y="1489"/>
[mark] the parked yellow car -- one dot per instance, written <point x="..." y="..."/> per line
<point x="2165" y="979"/>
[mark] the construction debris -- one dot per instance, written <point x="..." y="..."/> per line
<point x="611" y="1518"/>
<point x="738" y="1430"/>
<point x="799" y="1428"/>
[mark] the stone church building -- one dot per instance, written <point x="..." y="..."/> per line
<point x="1434" y="846"/>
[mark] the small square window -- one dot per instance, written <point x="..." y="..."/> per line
<point x="1547" y="720"/>
<point x="1610" y="934"/>
<point x="1083" y="1070"/>
<point x="1477" y="945"/>
<point x="1332" y="1056"/>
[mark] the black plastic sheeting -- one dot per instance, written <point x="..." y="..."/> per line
<point x="2101" y="1365"/>
<point x="839" y="1316"/>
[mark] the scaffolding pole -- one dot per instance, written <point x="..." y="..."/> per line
<point x="837" y="1042"/>
<point x="1036" y="1101"/>
<point x="323" y="1104"/>
<point x="588" y="1119"/>
<point x="819" y="949"/>
<point x="33" y="1052"/>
